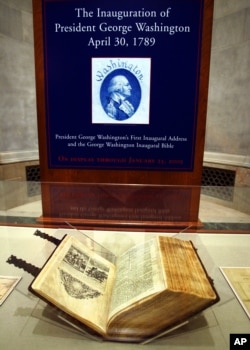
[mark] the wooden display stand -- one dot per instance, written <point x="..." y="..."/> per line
<point x="143" y="170"/>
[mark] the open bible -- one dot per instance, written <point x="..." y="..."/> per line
<point x="151" y="287"/>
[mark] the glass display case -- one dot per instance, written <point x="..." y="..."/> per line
<point x="221" y="237"/>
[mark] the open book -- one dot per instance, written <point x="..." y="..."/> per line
<point x="153" y="286"/>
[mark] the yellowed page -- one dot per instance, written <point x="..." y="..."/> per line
<point x="79" y="282"/>
<point x="139" y="275"/>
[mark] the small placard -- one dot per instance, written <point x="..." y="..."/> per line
<point x="240" y="341"/>
<point x="7" y="285"/>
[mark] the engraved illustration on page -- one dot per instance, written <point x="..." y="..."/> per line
<point x="82" y="276"/>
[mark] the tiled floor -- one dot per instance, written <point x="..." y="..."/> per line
<point x="210" y="211"/>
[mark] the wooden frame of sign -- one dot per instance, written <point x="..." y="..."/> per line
<point x="121" y="102"/>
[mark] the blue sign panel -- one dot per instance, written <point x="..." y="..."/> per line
<point x="121" y="82"/>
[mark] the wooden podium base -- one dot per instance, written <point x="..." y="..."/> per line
<point x="156" y="226"/>
<point x="120" y="206"/>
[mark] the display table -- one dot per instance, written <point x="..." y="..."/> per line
<point x="28" y="323"/>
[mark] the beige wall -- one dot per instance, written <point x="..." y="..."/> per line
<point x="228" y="118"/>
<point x="18" y="132"/>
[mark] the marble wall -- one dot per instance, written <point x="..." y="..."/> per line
<point x="228" y="117"/>
<point x="18" y="132"/>
<point x="228" y="121"/>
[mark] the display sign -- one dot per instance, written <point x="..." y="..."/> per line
<point x="121" y="83"/>
<point x="121" y="100"/>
